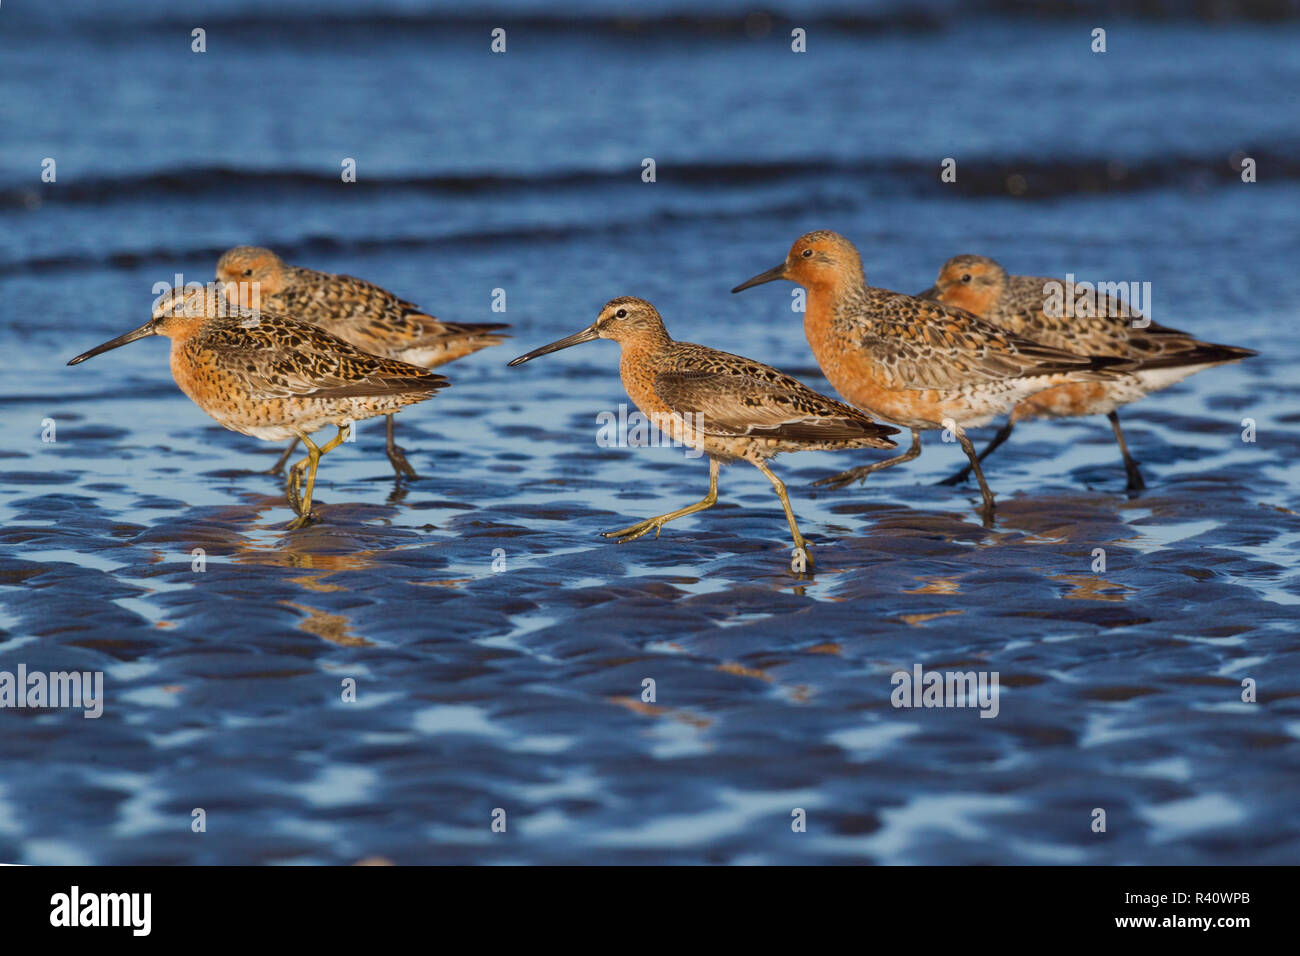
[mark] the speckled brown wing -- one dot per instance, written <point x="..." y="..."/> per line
<point x="733" y="396"/>
<point x="921" y="344"/>
<point x="1158" y="346"/>
<point x="435" y="331"/>
<point x="1109" y="331"/>
<point x="279" y="357"/>
<point x="373" y="317"/>
<point x="1021" y="311"/>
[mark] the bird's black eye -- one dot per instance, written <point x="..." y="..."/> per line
<point x="807" y="253"/>
<point x="966" y="277"/>
<point x="248" y="272"/>
<point x="621" y="314"/>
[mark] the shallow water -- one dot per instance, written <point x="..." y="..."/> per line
<point x="520" y="687"/>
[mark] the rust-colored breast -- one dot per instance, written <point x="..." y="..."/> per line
<point x="637" y="367"/>
<point x="215" y="390"/>
<point x="850" y="368"/>
<point x="193" y="378"/>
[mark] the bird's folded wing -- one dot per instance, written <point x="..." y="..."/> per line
<point x="1157" y="346"/>
<point x="731" y="403"/>
<point x="919" y="344"/>
<point x="428" y="332"/>
<point x="282" y="358"/>
<point x="1113" y="328"/>
<point x="401" y="324"/>
<point x="1101" y="326"/>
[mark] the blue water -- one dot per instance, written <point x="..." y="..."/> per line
<point x="520" y="688"/>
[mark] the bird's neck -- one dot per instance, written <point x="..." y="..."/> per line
<point x="645" y="342"/>
<point x="180" y="328"/>
<point x="826" y="301"/>
<point x="643" y="356"/>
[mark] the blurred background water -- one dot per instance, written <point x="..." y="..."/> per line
<point x="520" y="688"/>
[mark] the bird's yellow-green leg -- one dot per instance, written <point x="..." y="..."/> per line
<point x="800" y="544"/>
<point x="309" y="464"/>
<point x="294" y="484"/>
<point x="642" y="527"/>
<point x="293" y="478"/>
<point x="278" y="467"/>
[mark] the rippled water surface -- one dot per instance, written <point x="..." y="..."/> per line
<point x="498" y="644"/>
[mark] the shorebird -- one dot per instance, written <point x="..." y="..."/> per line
<point x="729" y="407"/>
<point x="1101" y="325"/>
<point x="916" y="363"/>
<point x="274" y="377"/>
<point x="357" y="311"/>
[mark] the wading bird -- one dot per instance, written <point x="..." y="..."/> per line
<point x="1096" y="324"/>
<point x="915" y="362"/>
<point x="357" y="311"/>
<point x="729" y="407"/>
<point x="274" y="377"/>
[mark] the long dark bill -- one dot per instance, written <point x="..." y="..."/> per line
<point x="143" y="331"/>
<point x="577" y="338"/>
<point x="771" y="275"/>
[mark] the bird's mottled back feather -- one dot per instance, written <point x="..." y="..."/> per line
<point x="1108" y="331"/>
<point x="280" y="357"/>
<point x="735" y="396"/>
<point x="374" y="319"/>
<point x="923" y="344"/>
